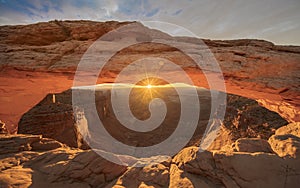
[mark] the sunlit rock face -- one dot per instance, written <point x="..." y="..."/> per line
<point x="67" y="124"/>
<point x="252" y="68"/>
<point x="33" y="161"/>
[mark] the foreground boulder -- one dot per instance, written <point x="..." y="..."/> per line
<point x="286" y="141"/>
<point x="27" y="160"/>
<point x="33" y="161"/>
<point x="237" y="169"/>
<point x="251" y="145"/>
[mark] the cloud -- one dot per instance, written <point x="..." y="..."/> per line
<point x="177" y="12"/>
<point x="227" y="19"/>
<point x="152" y="13"/>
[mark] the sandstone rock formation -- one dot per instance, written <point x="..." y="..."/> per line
<point x="244" y="118"/>
<point x="252" y="145"/>
<point x="286" y="141"/>
<point x="252" y="68"/>
<point x="53" y="120"/>
<point x="255" y="148"/>
<point x="34" y="161"/>
<point x="27" y="160"/>
<point x="238" y="169"/>
<point x="292" y="128"/>
<point x="3" y="129"/>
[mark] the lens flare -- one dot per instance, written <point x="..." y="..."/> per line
<point x="149" y="86"/>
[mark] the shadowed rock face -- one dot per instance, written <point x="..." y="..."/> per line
<point x="244" y="118"/>
<point x="56" y="121"/>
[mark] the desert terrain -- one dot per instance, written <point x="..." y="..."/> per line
<point x="259" y="141"/>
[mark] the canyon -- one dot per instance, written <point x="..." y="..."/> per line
<point x="259" y="140"/>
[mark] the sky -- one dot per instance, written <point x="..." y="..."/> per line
<point x="277" y="21"/>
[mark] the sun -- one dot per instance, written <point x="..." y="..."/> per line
<point x="149" y="86"/>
